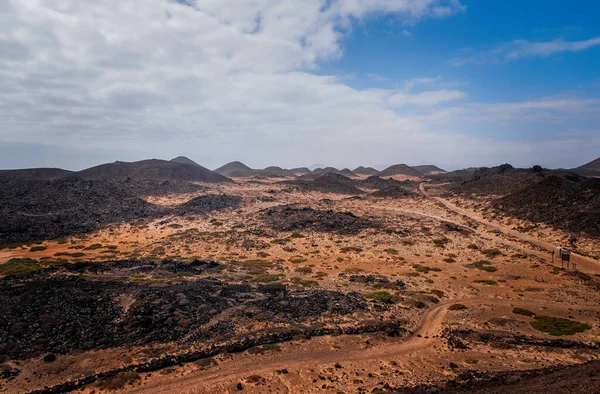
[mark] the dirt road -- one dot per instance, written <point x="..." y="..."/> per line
<point x="585" y="264"/>
<point x="424" y="337"/>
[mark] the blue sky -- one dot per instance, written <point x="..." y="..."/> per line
<point x="456" y="83"/>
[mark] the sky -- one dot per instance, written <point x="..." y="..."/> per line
<point x="456" y="83"/>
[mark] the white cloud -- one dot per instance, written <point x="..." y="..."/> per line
<point x="523" y="48"/>
<point x="214" y="80"/>
<point x="428" y="98"/>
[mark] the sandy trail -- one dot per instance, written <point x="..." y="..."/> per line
<point x="430" y="327"/>
<point x="584" y="264"/>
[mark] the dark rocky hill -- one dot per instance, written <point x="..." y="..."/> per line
<point x="568" y="202"/>
<point x="365" y="171"/>
<point x="396" y="192"/>
<point x="185" y="160"/>
<point x="301" y="170"/>
<point x="400" y="169"/>
<point x="235" y="169"/>
<point x="44" y="174"/>
<point x="591" y="169"/>
<point x="151" y="170"/>
<point x="503" y="180"/>
<point x="452" y="176"/>
<point x="429" y="169"/>
<point x="35" y="210"/>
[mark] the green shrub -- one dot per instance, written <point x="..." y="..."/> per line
<point x="349" y="249"/>
<point x="268" y="278"/>
<point x="419" y="304"/>
<point x="382" y="296"/>
<point x="483" y="265"/>
<point x="93" y="247"/>
<point x="472" y="247"/>
<point x="304" y="270"/>
<point x="491" y="253"/>
<point x="558" y="326"/>
<point x="37" y="248"/>
<point x="486" y="282"/>
<point x="524" y="312"/>
<point x="391" y="251"/>
<point x="457" y="307"/>
<point x="19" y="266"/>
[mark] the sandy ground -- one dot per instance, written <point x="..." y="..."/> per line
<point x="418" y="237"/>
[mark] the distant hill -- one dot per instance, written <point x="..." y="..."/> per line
<point x="185" y="160"/>
<point x="42" y="174"/>
<point x="151" y="170"/>
<point x="301" y="170"/>
<point x="471" y="170"/>
<point x="235" y="168"/>
<point x="505" y="179"/>
<point x="369" y="171"/>
<point x="347" y="172"/>
<point x="322" y="171"/>
<point x="590" y="169"/>
<point x="452" y="176"/>
<point x="275" y="172"/>
<point x="400" y="169"/>
<point x="429" y="169"/>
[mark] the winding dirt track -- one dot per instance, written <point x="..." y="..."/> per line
<point x="585" y="264"/>
<point x="422" y="338"/>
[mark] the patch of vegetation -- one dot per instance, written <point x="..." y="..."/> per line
<point x="486" y="282"/>
<point x="93" y="247"/>
<point x="557" y="326"/>
<point x="421" y="268"/>
<point x="304" y="270"/>
<point x="449" y="260"/>
<point x="472" y="247"/>
<point x="491" y="253"/>
<point x="77" y="254"/>
<point x="483" y="265"/>
<point x="438" y="293"/>
<point x="37" y="248"/>
<point x="419" y="304"/>
<point x="457" y="307"/>
<point x="19" y="266"/>
<point x="297" y="259"/>
<point x="253" y="264"/>
<point x="296" y="234"/>
<point x="268" y="278"/>
<point x="391" y="251"/>
<point x="280" y="241"/>
<point x="523" y="311"/>
<point x="348" y="249"/>
<point x="428" y="280"/>
<point x="304" y="282"/>
<point x="440" y="242"/>
<point x="383" y="296"/>
<point x="256" y="379"/>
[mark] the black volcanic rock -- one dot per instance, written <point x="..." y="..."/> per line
<point x="503" y="180"/>
<point x="327" y="183"/>
<point x="400" y="169"/>
<point x="395" y="192"/>
<point x="41" y="174"/>
<point x="151" y="170"/>
<point x="291" y="218"/>
<point x="568" y="202"/>
<point x="208" y="203"/>
<point x="36" y="210"/>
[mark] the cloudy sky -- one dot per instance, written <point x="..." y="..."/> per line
<point x="295" y="82"/>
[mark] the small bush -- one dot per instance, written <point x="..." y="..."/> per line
<point x="19" y="266"/>
<point x="382" y="296"/>
<point x="440" y="243"/>
<point x="349" y="249"/>
<point x="491" y="253"/>
<point x="419" y="304"/>
<point x="486" y="282"/>
<point x="457" y="307"/>
<point x="391" y="251"/>
<point x="557" y="326"/>
<point x="304" y="270"/>
<point x="268" y="278"/>
<point x="304" y="282"/>
<point x="483" y="265"/>
<point x="37" y="248"/>
<point x="472" y="247"/>
<point x="93" y="247"/>
<point x="296" y="234"/>
<point x="524" y="312"/>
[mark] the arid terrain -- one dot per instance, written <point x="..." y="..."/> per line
<point x="166" y="277"/>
